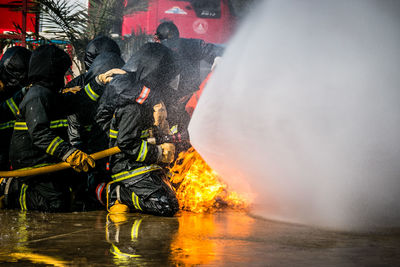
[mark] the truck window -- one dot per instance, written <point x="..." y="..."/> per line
<point x="207" y="8"/>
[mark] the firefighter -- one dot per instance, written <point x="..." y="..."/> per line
<point x="82" y="94"/>
<point x="189" y="53"/>
<point x="40" y="138"/>
<point x="138" y="182"/>
<point x="83" y="132"/>
<point x="13" y="78"/>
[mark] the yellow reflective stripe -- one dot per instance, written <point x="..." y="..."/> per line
<point x="143" y="151"/>
<point x="113" y="133"/>
<point x="53" y="145"/>
<point x="114" y="250"/>
<point x="58" y="142"/>
<point x="22" y="197"/>
<point x="135" y="229"/>
<point x="19" y="125"/>
<point x="129" y="174"/>
<point x="135" y="201"/>
<point x="92" y="95"/>
<point x="174" y="129"/>
<point x="58" y="124"/>
<point x="13" y="107"/>
<point x="6" y="125"/>
<point x="145" y="133"/>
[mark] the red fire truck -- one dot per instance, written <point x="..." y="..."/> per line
<point x="210" y="20"/>
<point x="14" y="17"/>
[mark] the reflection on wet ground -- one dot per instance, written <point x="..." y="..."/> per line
<point x="222" y="239"/>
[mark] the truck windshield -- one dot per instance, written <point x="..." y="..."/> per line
<point x="207" y="8"/>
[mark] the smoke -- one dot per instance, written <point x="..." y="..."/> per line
<point x="303" y="114"/>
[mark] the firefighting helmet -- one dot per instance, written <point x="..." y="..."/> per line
<point x="97" y="46"/>
<point x="167" y="30"/>
<point x="14" y="67"/>
<point x="48" y="65"/>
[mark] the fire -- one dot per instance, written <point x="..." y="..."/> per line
<point x="199" y="188"/>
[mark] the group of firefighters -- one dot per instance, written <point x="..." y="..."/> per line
<point x="137" y="106"/>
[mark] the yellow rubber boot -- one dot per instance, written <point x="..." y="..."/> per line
<point x="118" y="218"/>
<point x="119" y="208"/>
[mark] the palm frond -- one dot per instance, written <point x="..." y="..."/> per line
<point x="63" y="18"/>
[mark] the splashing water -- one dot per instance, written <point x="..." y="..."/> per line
<point x="303" y="114"/>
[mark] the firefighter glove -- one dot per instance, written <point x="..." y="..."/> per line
<point x="168" y="152"/>
<point x="106" y="77"/>
<point x="73" y="90"/>
<point x="160" y="117"/>
<point x="80" y="161"/>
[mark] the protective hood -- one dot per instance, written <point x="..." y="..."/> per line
<point x="167" y="30"/>
<point x="97" y="46"/>
<point x="153" y="64"/>
<point x="47" y="67"/>
<point x="14" y="67"/>
<point x="104" y="62"/>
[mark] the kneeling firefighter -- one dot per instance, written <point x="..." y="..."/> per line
<point x="139" y="183"/>
<point x="83" y="131"/>
<point x="40" y="138"/>
<point x="13" y="77"/>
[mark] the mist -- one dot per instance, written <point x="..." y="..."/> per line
<point x="302" y="116"/>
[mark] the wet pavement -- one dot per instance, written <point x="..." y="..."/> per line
<point x="219" y="239"/>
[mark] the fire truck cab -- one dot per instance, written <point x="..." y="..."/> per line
<point x="210" y="20"/>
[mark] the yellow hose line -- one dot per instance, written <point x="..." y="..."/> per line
<point x="58" y="166"/>
<point x="38" y="258"/>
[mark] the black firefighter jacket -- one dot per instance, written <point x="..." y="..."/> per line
<point x="152" y="67"/>
<point x="131" y="122"/>
<point x="129" y="131"/>
<point x="8" y="114"/>
<point x="40" y="130"/>
<point x="82" y="129"/>
<point x="13" y="74"/>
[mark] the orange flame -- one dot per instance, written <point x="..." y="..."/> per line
<point x="199" y="188"/>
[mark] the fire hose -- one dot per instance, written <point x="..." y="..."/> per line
<point x="176" y="138"/>
<point x="56" y="167"/>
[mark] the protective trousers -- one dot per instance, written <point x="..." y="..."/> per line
<point x="145" y="189"/>
<point x="43" y="193"/>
